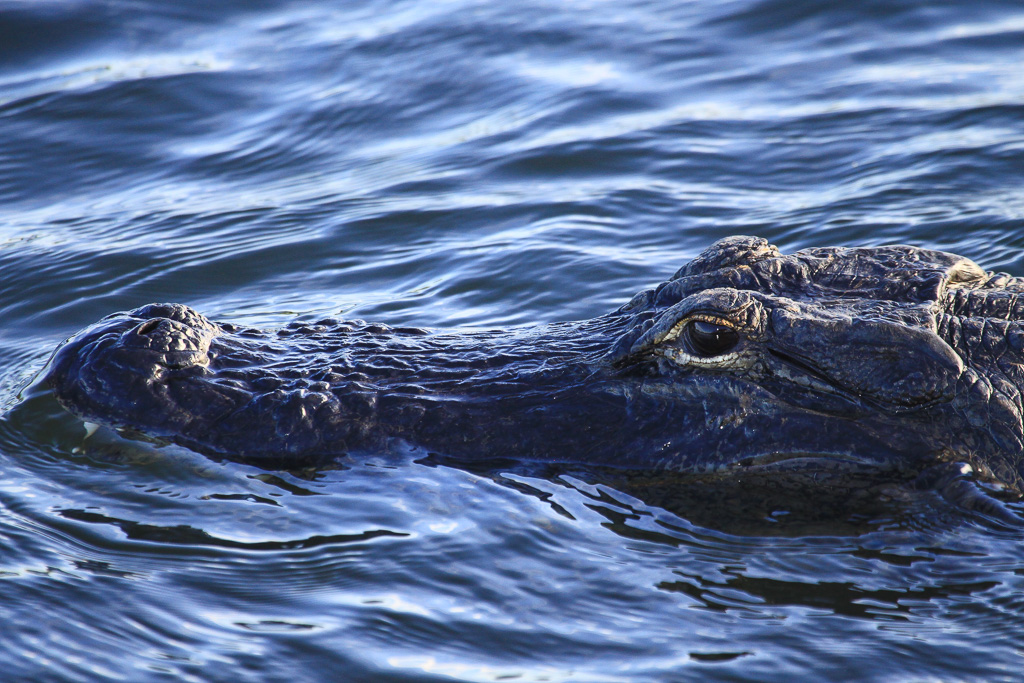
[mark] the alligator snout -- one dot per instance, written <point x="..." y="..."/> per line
<point x="178" y="345"/>
<point x="176" y="335"/>
<point x="142" y="362"/>
<point x="156" y="317"/>
<point x="139" y="346"/>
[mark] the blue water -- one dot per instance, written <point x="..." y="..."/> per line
<point x="476" y="164"/>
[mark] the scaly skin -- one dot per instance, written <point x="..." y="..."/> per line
<point x="747" y="360"/>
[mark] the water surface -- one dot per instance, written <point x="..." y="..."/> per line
<point x="474" y="164"/>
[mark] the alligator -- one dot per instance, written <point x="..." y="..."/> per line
<point x="747" y="361"/>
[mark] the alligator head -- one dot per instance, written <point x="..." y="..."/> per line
<point x="747" y="360"/>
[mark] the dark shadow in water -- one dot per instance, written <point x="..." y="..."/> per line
<point x="842" y="598"/>
<point x="791" y="505"/>
<point x="185" y="535"/>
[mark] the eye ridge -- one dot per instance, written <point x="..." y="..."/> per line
<point x="707" y="338"/>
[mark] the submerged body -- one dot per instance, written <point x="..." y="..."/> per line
<point x="747" y="360"/>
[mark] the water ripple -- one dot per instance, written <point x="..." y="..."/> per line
<point x="458" y="163"/>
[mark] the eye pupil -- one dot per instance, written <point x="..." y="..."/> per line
<point x="710" y="339"/>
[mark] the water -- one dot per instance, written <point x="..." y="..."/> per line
<point x="474" y="164"/>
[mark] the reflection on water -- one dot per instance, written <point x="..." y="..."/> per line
<point x="467" y="163"/>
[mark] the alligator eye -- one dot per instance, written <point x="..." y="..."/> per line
<point x="710" y="339"/>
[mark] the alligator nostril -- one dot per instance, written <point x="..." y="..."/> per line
<point x="147" y="327"/>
